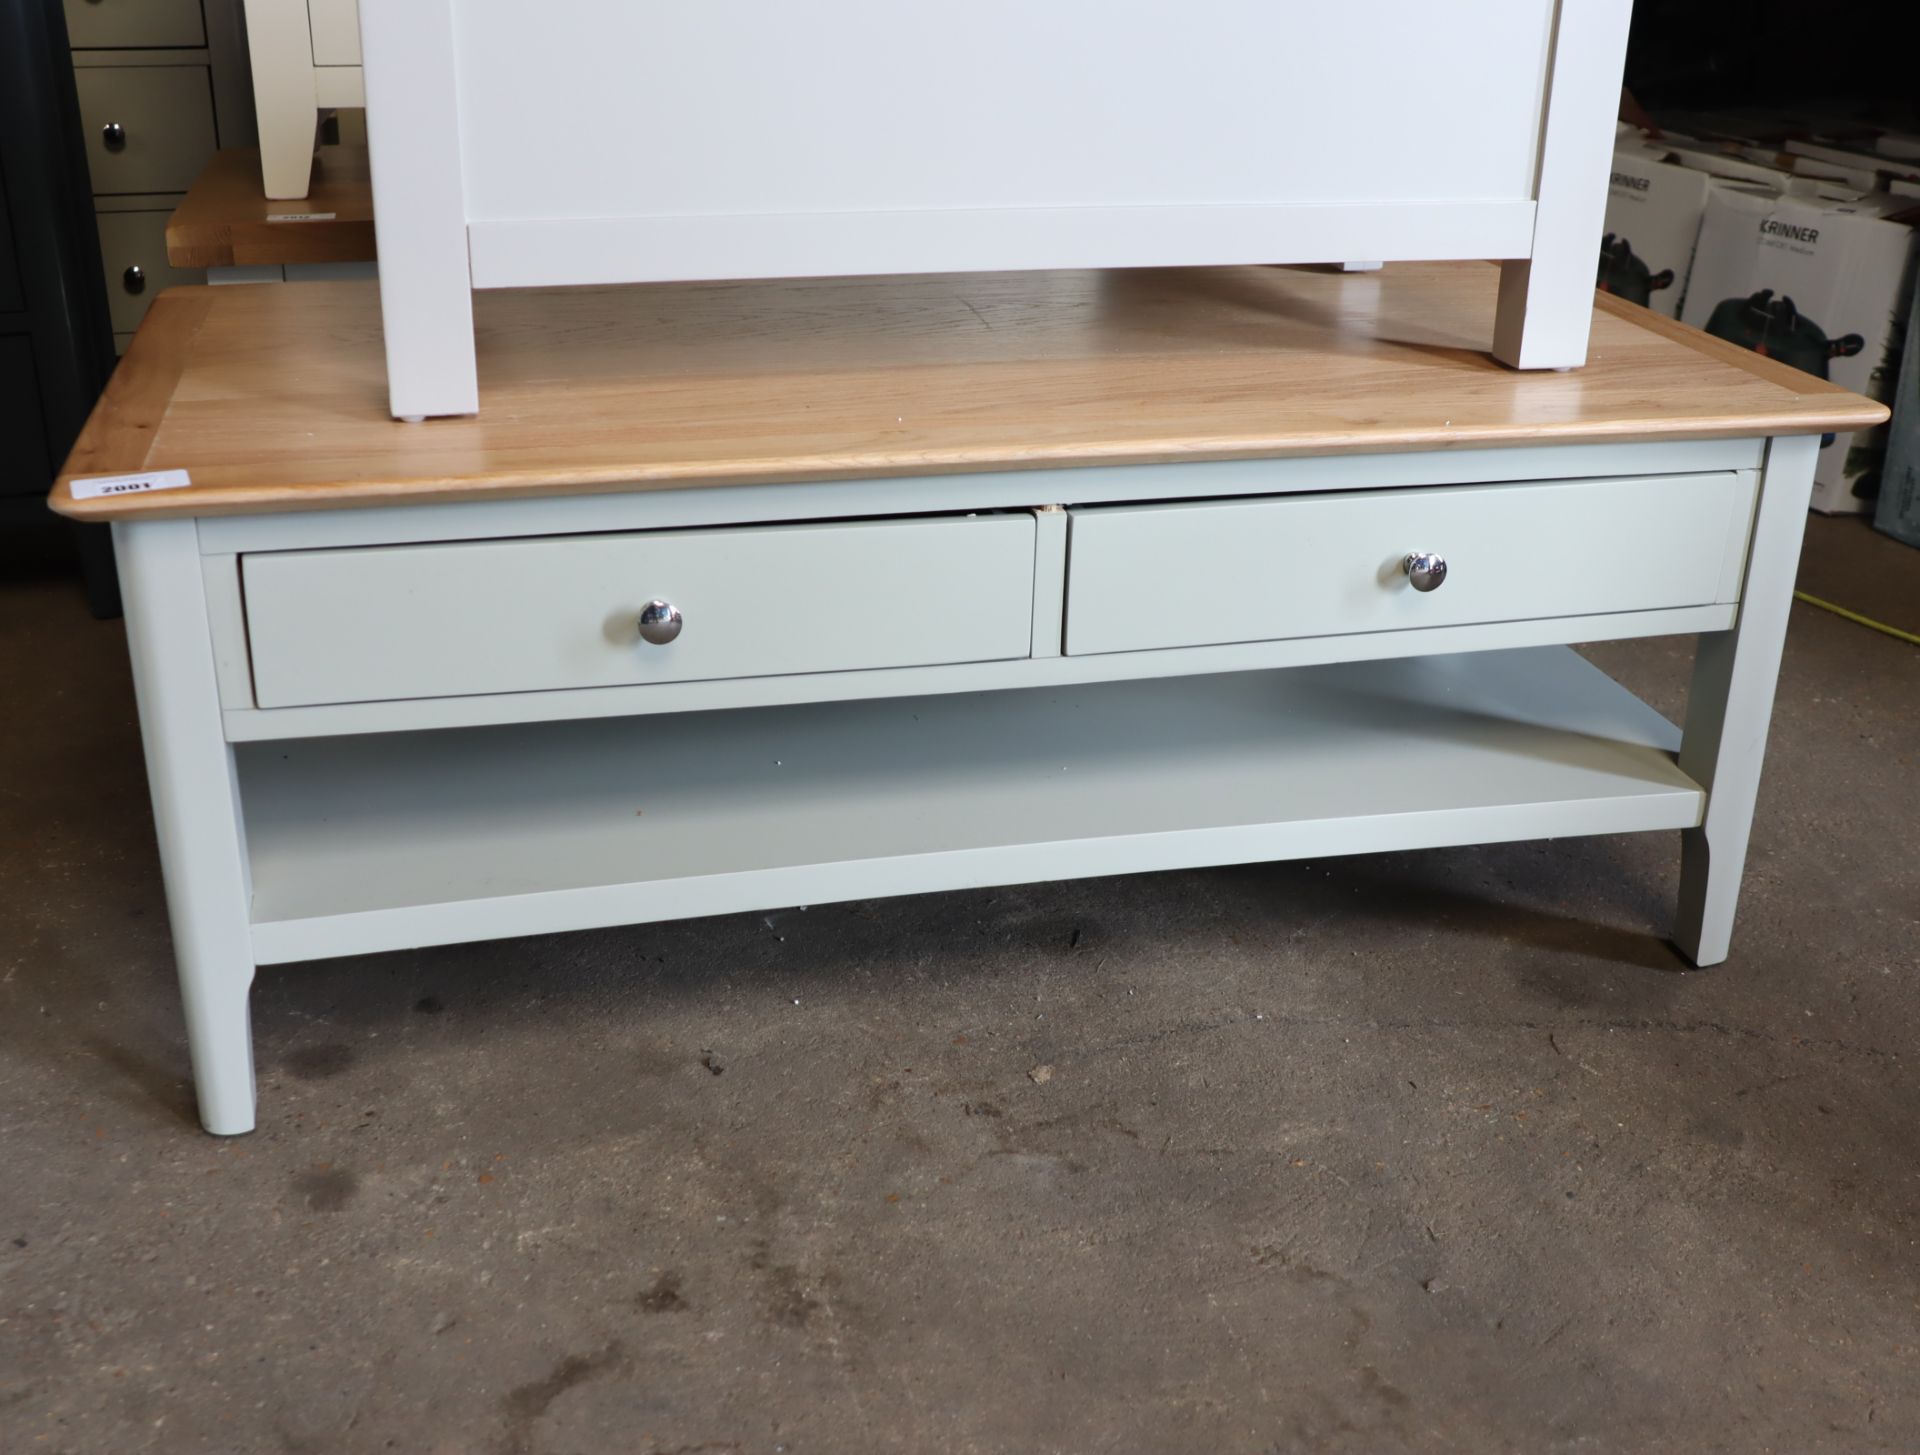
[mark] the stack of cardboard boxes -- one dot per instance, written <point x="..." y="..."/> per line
<point x="1899" y="510"/>
<point x="1799" y="249"/>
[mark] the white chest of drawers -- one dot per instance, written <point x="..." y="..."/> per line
<point x="618" y="143"/>
<point x="933" y="584"/>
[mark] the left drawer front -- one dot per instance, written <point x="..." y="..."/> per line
<point x="534" y="615"/>
<point x="133" y="251"/>
<point x="129" y="24"/>
<point x="1219" y="571"/>
<point x="148" y="128"/>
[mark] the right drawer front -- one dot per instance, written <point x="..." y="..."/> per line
<point x="164" y="121"/>
<point x="134" y="24"/>
<point x="133" y="252"/>
<point x="1213" y="572"/>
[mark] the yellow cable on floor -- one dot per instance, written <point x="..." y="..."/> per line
<point x="1866" y="621"/>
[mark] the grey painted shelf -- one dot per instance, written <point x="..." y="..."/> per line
<point x="382" y="841"/>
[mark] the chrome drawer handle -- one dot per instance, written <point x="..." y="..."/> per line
<point x="1426" y="570"/>
<point x="660" y="622"/>
<point x="113" y="136"/>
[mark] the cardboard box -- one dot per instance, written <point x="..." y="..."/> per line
<point x="1823" y="285"/>
<point x="1900" y="146"/>
<point x="1885" y="167"/>
<point x="1749" y="125"/>
<point x="1653" y="221"/>
<point x="1781" y="171"/>
<point x="1855" y="177"/>
<point x="1898" y="513"/>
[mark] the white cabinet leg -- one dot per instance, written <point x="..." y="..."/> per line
<point x="1546" y="300"/>
<point x="196" y="808"/>
<point x="1544" y="315"/>
<point x="426" y="279"/>
<point x="287" y="132"/>
<point x="280" y="47"/>
<point x="1731" y="703"/>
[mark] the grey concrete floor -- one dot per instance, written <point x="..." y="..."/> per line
<point x="1436" y="1151"/>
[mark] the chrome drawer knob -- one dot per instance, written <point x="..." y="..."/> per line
<point x="660" y="622"/>
<point x="1426" y="570"/>
<point x="113" y="136"/>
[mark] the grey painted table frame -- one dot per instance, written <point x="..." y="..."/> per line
<point x="211" y="791"/>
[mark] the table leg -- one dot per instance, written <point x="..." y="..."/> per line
<point x="286" y="110"/>
<point x="196" y="808"/>
<point x="1731" y="704"/>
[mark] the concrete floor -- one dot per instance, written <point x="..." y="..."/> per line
<point x="1434" y="1151"/>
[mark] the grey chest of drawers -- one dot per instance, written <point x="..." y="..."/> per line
<point x="162" y="83"/>
<point x="777" y="594"/>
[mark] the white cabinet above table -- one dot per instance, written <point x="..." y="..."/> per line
<point x="599" y="141"/>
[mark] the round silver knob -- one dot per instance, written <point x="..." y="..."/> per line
<point x="1426" y="570"/>
<point x="113" y="136"/>
<point x="134" y="280"/>
<point x="660" y="622"/>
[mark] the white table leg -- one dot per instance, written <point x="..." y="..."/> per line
<point x="286" y="107"/>
<point x="1731" y="704"/>
<point x="196" y="808"/>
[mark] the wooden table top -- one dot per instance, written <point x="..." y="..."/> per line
<point x="275" y="397"/>
<point x="226" y="219"/>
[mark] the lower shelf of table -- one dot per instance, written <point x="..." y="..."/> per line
<point x="380" y="842"/>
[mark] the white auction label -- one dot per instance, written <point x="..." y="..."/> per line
<point x="94" y="487"/>
<point x="300" y="217"/>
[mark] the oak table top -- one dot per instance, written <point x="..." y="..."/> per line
<point x="274" y="398"/>
<point x="226" y="220"/>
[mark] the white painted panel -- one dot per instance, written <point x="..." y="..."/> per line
<point x="336" y="32"/>
<point x="575" y="250"/>
<point x="340" y="86"/>
<point x="527" y="615"/>
<point x="1049" y="580"/>
<point x="595" y="108"/>
<point x="227" y="623"/>
<point x="374" y="842"/>
<point x="1154" y="576"/>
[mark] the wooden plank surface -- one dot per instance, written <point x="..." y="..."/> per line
<point x="226" y="220"/>
<point x="275" y="397"/>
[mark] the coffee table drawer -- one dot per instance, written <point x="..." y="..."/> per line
<point x="1184" y="575"/>
<point x="538" y="614"/>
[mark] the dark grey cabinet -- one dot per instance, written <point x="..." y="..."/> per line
<point x="56" y="341"/>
